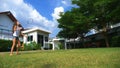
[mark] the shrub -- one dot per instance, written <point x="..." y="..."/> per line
<point x="32" y="46"/>
<point x="115" y="41"/>
<point x="5" y="45"/>
<point x="50" y="46"/>
<point x="61" y="46"/>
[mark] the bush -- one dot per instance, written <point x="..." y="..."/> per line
<point x="50" y="46"/>
<point x="5" y="45"/>
<point x="61" y="46"/>
<point x="115" y="41"/>
<point x="32" y="46"/>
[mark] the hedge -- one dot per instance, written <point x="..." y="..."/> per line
<point x="115" y="41"/>
<point x="5" y="45"/>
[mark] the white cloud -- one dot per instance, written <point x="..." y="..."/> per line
<point x="56" y="15"/>
<point x="57" y="12"/>
<point x="26" y="14"/>
<point x="64" y="2"/>
<point x="68" y="3"/>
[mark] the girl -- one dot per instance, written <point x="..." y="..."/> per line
<point x="16" y="32"/>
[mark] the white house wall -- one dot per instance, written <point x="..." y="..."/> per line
<point x="5" y="23"/>
<point x="43" y="33"/>
<point x="34" y="34"/>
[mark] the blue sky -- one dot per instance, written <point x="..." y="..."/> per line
<point x="46" y="7"/>
<point x="37" y="13"/>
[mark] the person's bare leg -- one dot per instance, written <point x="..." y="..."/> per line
<point x="13" y="45"/>
<point x="17" y="49"/>
<point x="18" y="46"/>
<point x="22" y="46"/>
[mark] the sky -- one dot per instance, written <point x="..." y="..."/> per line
<point x="42" y="14"/>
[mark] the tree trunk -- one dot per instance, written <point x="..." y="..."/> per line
<point x="106" y="39"/>
<point x="105" y="36"/>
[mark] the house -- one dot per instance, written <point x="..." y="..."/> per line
<point x="57" y="43"/>
<point x="6" y="22"/>
<point x="40" y="36"/>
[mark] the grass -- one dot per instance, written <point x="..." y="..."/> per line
<point x="74" y="58"/>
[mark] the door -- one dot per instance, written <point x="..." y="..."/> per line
<point x="40" y="39"/>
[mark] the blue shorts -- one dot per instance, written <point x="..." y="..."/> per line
<point x="17" y="38"/>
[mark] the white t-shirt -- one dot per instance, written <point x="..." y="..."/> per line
<point x="17" y="32"/>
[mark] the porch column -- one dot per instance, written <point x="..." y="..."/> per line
<point x="65" y="44"/>
<point x="53" y="46"/>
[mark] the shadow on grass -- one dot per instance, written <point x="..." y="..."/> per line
<point x="49" y="65"/>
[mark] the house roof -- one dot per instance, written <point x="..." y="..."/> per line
<point x="36" y="29"/>
<point x="10" y="15"/>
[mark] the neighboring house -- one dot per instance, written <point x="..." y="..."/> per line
<point x="40" y="36"/>
<point x="115" y="25"/>
<point x="93" y="31"/>
<point x="6" y="22"/>
<point x="57" y="42"/>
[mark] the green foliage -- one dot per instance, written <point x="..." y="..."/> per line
<point x="97" y="14"/>
<point x="115" y="41"/>
<point x="61" y="46"/>
<point x="5" y="45"/>
<point x="70" y="23"/>
<point x="32" y="46"/>
<point x="100" y="12"/>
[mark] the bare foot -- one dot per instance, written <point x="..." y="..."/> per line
<point x="17" y="53"/>
<point x="11" y="54"/>
<point x="22" y="46"/>
<point x="18" y="46"/>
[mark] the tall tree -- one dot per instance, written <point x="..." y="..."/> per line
<point x="98" y="13"/>
<point x="101" y="12"/>
<point x="72" y="23"/>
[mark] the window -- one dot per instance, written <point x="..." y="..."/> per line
<point x="30" y="38"/>
<point x="46" y="39"/>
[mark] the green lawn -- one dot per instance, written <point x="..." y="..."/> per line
<point x="74" y="58"/>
